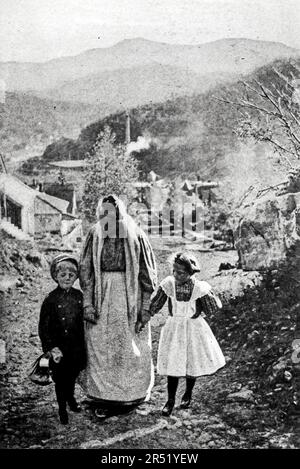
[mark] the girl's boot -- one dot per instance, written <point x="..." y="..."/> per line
<point x="172" y="388"/>
<point x="186" y="398"/>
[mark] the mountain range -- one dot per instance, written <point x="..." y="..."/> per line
<point x="134" y="62"/>
<point x="130" y="87"/>
<point x="57" y="98"/>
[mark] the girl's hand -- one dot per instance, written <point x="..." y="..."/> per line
<point x="143" y="318"/>
<point x="139" y="326"/>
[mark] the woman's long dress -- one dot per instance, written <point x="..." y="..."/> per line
<point x="119" y="362"/>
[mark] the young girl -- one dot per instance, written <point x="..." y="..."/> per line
<point x="187" y="346"/>
<point x="61" y="331"/>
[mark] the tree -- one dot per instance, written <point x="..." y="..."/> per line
<point x="270" y="111"/>
<point x="64" y="149"/>
<point x="110" y="170"/>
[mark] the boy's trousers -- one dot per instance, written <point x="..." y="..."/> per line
<point x="64" y="375"/>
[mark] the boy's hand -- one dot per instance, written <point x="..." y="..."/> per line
<point x="56" y="354"/>
<point x="89" y="314"/>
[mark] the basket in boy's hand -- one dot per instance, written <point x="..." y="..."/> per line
<point x="40" y="374"/>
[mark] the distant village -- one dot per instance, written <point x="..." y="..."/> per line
<point x="51" y="206"/>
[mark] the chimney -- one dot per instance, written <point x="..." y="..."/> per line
<point x="127" y="133"/>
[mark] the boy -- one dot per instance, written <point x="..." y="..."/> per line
<point x="61" y="331"/>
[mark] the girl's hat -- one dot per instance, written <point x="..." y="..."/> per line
<point x="188" y="261"/>
<point x="61" y="258"/>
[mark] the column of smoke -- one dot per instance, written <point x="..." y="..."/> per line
<point x="142" y="143"/>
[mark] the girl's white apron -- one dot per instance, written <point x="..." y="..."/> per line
<point x="187" y="347"/>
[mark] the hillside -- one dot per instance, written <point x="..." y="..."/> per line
<point x="28" y="122"/>
<point x="64" y="95"/>
<point x="233" y="56"/>
<point x="130" y="87"/>
<point x="192" y="135"/>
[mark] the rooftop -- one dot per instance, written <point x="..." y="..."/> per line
<point x="23" y="194"/>
<point x="69" y="164"/>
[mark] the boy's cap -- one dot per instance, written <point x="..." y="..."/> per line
<point x="60" y="258"/>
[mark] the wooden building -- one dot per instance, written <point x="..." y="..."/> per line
<point x="31" y="211"/>
<point x="64" y="191"/>
<point x="200" y="189"/>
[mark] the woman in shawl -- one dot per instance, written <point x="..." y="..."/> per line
<point x="117" y="277"/>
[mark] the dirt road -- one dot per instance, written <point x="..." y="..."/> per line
<point x="29" y="412"/>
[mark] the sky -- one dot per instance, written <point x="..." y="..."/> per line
<point x="38" y="30"/>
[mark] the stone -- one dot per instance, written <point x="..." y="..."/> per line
<point x="227" y="359"/>
<point x="211" y="444"/>
<point x="234" y="283"/>
<point x="113" y="419"/>
<point x="232" y="431"/>
<point x="266" y="231"/>
<point x="10" y="430"/>
<point x="37" y="259"/>
<point x="177" y="424"/>
<point x="243" y="395"/>
<point x="2" y="352"/>
<point x="237" y="411"/>
<point x="281" y="364"/>
<point x="204" y="437"/>
<point x="187" y="423"/>
<point x="288" y="376"/>
<point x="196" y="422"/>
<point x="185" y="414"/>
<point x="13" y="380"/>
<point x="144" y="411"/>
<point x="216" y="426"/>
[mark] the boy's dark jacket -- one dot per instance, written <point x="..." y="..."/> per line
<point x="61" y="325"/>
